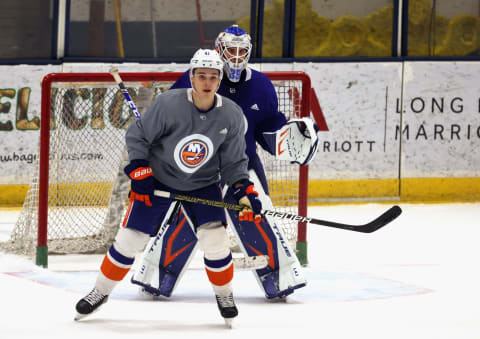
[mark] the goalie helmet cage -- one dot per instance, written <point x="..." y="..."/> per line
<point x="82" y="154"/>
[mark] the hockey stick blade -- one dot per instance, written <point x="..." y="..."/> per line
<point x="388" y="216"/>
<point x="370" y="227"/>
<point x="256" y="262"/>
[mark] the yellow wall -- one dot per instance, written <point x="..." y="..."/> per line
<point x="429" y="190"/>
<point x="413" y="190"/>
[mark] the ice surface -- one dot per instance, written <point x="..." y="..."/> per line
<point x="418" y="277"/>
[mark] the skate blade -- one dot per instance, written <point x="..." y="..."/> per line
<point x="79" y="316"/>
<point x="229" y="322"/>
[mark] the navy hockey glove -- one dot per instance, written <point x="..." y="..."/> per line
<point x="142" y="180"/>
<point x="245" y="194"/>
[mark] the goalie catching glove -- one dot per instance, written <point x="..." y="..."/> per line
<point x="141" y="176"/>
<point x="245" y="194"/>
<point x="297" y="141"/>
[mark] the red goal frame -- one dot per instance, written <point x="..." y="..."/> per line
<point x="42" y="249"/>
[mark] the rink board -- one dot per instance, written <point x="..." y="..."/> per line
<point x="407" y="131"/>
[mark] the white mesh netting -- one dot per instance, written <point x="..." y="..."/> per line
<point x="87" y="188"/>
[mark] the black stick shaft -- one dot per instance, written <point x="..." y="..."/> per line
<point x="370" y="227"/>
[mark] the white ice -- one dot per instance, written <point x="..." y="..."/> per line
<point x="416" y="278"/>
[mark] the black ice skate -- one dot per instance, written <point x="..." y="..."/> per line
<point x="89" y="304"/>
<point x="227" y="308"/>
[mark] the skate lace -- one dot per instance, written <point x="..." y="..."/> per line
<point x="94" y="297"/>
<point x="226" y="301"/>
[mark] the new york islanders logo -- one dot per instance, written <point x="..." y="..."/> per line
<point x="192" y="152"/>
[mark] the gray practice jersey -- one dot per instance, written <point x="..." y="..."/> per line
<point x="188" y="149"/>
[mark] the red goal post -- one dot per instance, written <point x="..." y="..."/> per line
<point x="297" y="95"/>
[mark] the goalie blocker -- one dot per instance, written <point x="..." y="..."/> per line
<point x="167" y="256"/>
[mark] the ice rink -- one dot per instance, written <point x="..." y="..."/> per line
<point x="416" y="278"/>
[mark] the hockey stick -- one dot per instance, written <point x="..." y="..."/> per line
<point x="370" y="227"/>
<point x="255" y="262"/>
<point x="114" y="72"/>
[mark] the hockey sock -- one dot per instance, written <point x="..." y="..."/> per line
<point x="114" y="268"/>
<point x="220" y="271"/>
<point x="214" y="241"/>
<point x="224" y="290"/>
<point x="119" y="258"/>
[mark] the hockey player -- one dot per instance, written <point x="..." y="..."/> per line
<point x="186" y="142"/>
<point x="295" y="140"/>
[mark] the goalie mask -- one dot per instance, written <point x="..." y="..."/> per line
<point x="234" y="47"/>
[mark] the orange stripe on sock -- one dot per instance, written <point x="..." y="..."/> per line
<point x="112" y="271"/>
<point x="220" y="278"/>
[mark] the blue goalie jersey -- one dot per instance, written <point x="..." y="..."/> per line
<point x="255" y="94"/>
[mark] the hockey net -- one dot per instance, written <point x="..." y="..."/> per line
<point x="78" y="194"/>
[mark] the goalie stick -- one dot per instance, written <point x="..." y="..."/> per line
<point x="254" y="262"/>
<point x="241" y="263"/>
<point x="114" y="72"/>
<point x="388" y="216"/>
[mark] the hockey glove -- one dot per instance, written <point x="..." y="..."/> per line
<point x="142" y="180"/>
<point x="297" y="141"/>
<point x="246" y="196"/>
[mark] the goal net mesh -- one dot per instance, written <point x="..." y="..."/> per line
<point x="87" y="191"/>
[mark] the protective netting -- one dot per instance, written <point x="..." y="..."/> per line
<point x="88" y="191"/>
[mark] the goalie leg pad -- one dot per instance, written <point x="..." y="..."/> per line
<point x="167" y="255"/>
<point x="284" y="273"/>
